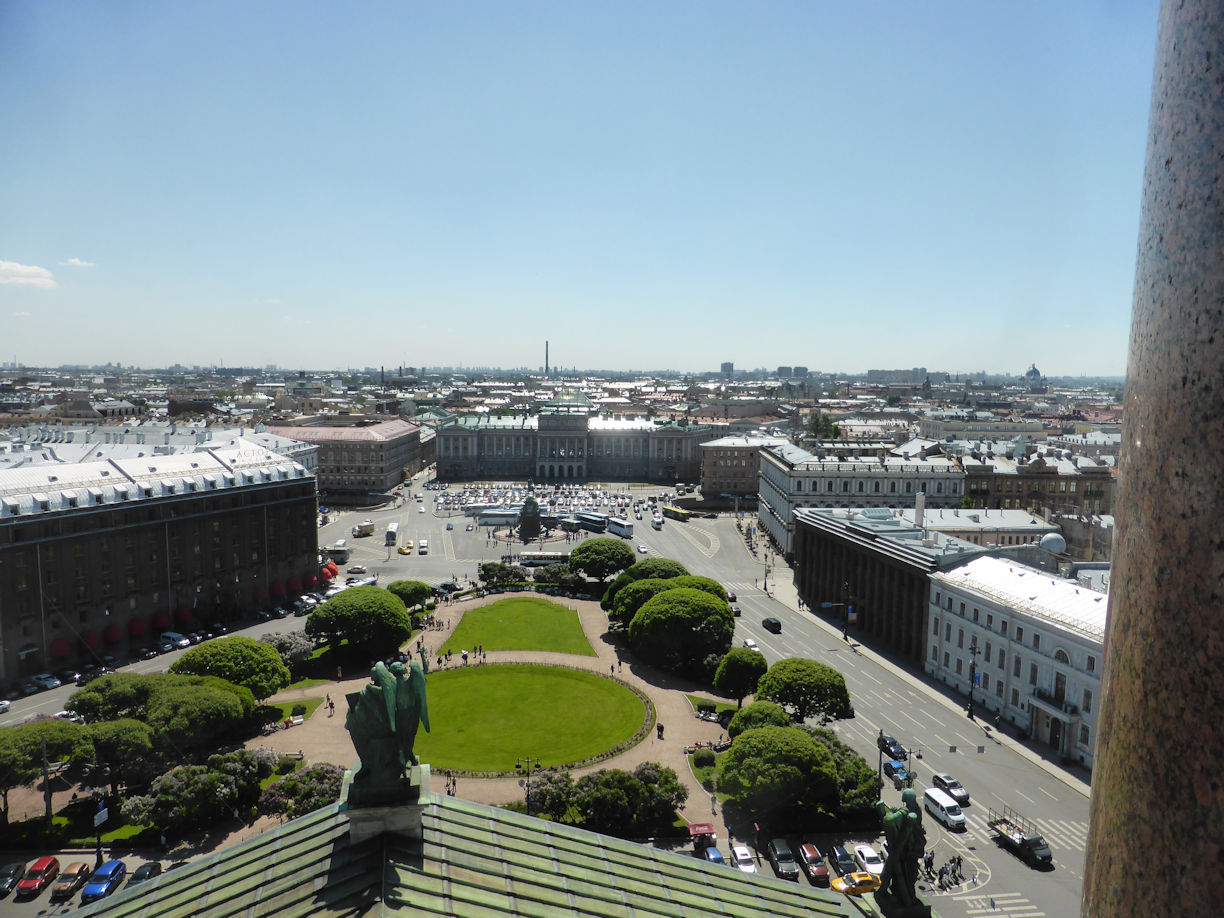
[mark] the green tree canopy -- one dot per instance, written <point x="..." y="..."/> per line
<point x="858" y="785"/>
<point x="706" y="584"/>
<point x="806" y="689"/>
<point x="612" y="801"/>
<point x="125" y="748"/>
<point x="650" y="568"/>
<point x="21" y="752"/>
<point x="367" y="616"/>
<point x="756" y="715"/>
<point x="240" y="660"/>
<point x="821" y="426"/>
<point x="738" y="673"/>
<point x="293" y="646"/>
<point x="680" y="628"/>
<point x="635" y="595"/>
<point x="600" y="558"/>
<point x="192" y="796"/>
<point x="772" y="773"/>
<point x="411" y="592"/>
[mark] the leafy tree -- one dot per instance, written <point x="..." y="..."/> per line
<point x="190" y="796"/>
<point x="134" y="694"/>
<point x="304" y="791"/>
<point x="612" y="801"/>
<point x="561" y="577"/>
<point x="368" y="617"/>
<point x="775" y="772"/>
<point x="738" y="673"/>
<point x="806" y="689"/>
<point x="125" y="747"/>
<point x="601" y="558"/>
<point x="21" y="750"/>
<point x="756" y="715"/>
<point x="821" y="426"/>
<point x="634" y="596"/>
<point x="411" y="592"/>
<point x="192" y="717"/>
<point x="707" y="584"/>
<point x="293" y="646"/>
<point x="656" y="568"/>
<point x="240" y="660"/>
<point x="679" y="628"/>
<point x="858" y="785"/>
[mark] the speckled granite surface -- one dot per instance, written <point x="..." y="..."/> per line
<point x="1155" y="844"/>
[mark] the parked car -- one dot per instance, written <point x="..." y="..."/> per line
<point x="841" y="860"/>
<point x="741" y="857"/>
<point x="891" y="748"/>
<point x="105" y="880"/>
<point x="868" y="860"/>
<point x="813" y="865"/>
<point x="782" y="859"/>
<point x="358" y="569"/>
<point x="70" y="716"/>
<point x="4" y="706"/>
<point x="145" y="872"/>
<point x="771" y="624"/>
<point x="40" y="875"/>
<point x="898" y="773"/>
<point x="953" y="788"/>
<point x="46" y="681"/>
<point x="856" y="884"/>
<point x="66" y="676"/>
<point x="751" y="644"/>
<point x="144" y="653"/>
<point x="713" y="855"/>
<point x="196" y="637"/>
<point x="164" y="646"/>
<point x="71" y="878"/>
<point x="10" y="875"/>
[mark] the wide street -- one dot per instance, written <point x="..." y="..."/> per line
<point x="886" y="696"/>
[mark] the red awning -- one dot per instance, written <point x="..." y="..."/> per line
<point x="295" y="585"/>
<point x="113" y="634"/>
<point x="61" y="648"/>
<point x="136" y="627"/>
<point x="182" y="615"/>
<point x="331" y="566"/>
<point x="311" y="580"/>
<point x="328" y="575"/>
<point x="161" y="621"/>
<point x="278" y="588"/>
<point x="91" y="639"/>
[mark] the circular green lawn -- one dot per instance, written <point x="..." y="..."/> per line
<point x="484" y="718"/>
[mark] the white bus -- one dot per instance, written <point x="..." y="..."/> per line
<point x="620" y="527"/>
<point x="338" y="552"/>
<point x="392" y="534"/>
<point x="542" y="558"/>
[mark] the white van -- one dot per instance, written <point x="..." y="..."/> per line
<point x="943" y="808"/>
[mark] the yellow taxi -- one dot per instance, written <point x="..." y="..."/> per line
<point x="404" y="550"/>
<point x="856" y="884"/>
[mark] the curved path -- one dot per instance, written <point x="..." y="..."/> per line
<point x="323" y="738"/>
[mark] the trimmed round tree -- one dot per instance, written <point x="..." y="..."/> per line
<point x="651" y="568"/>
<point x="739" y="672"/>
<point x="239" y="660"/>
<point x="679" y="628"/>
<point x="368" y="617"/>
<point x="635" y="595"/>
<point x="806" y="689"/>
<point x="756" y="715"/>
<point x="410" y="592"/>
<point x="774" y="772"/>
<point x="713" y="587"/>
<point x="601" y="558"/>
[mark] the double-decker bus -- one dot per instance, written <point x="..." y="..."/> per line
<point x="677" y="513"/>
<point x="542" y="558"/>
<point x="620" y="527"/>
<point x="392" y="534"/>
<point x="594" y="522"/>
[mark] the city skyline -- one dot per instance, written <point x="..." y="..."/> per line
<point x="645" y="186"/>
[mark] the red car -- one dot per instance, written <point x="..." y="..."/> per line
<point x="38" y="877"/>
<point x="813" y="865"/>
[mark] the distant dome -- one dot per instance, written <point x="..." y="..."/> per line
<point x="1054" y="543"/>
<point x="1032" y="372"/>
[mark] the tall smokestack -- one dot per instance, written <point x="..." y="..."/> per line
<point x="546" y="359"/>
<point x="919" y="508"/>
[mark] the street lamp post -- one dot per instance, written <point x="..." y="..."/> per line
<point x="525" y="767"/>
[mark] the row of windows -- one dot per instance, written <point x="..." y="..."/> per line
<point x="953" y="487"/>
<point x="1059" y="655"/>
<point x="958" y="666"/>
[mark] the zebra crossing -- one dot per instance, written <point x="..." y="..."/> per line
<point x="1062" y="835"/>
<point x="1003" y="905"/>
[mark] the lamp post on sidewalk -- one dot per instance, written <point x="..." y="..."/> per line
<point x="524" y="767"/>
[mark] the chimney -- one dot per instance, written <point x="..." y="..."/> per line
<point x="919" y="508"/>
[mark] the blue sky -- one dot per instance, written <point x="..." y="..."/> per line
<point x="647" y="185"/>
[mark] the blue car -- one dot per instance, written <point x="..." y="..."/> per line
<point x="105" y="880"/>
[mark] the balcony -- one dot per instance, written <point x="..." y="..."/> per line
<point x="1046" y="701"/>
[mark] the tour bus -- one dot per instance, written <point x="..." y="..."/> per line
<point x="499" y="517"/>
<point x="620" y="527"/>
<point x="364" y="528"/>
<point x="392" y="534"/>
<point x="542" y="558"/>
<point x="676" y="513"/>
<point x="339" y="552"/>
<point x="595" y="522"/>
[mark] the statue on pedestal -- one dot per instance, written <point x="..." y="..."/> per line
<point x="382" y="720"/>
<point x="906" y="844"/>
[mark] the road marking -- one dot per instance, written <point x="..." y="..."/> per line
<point x="1048" y="794"/>
<point x="1026" y="797"/>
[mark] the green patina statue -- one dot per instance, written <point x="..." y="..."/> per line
<point x="383" y="719"/>
<point x="906" y="844"/>
<point x="529" y="519"/>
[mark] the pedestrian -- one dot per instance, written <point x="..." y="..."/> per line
<point x="339" y="673"/>
<point x="611" y="670"/>
<point x="619" y="663"/>
<point x="331" y="708"/>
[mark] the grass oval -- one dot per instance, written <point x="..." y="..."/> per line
<point x="484" y="718"/>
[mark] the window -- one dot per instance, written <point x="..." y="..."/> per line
<point x="1032" y="674"/>
<point x="1084" y="735"/>
<point x="1019" y="634"/>
<point x="1003" y="628"/>
<point x="989" y="621"/>
<point x="935" y="629"/>
<point x="1036" y="641"/>
<point x="958" y="666"/>
<point x="936" y="599"/>
<point x="975" y="615"/>
<point x="947" y="632"/>
<point x="1092" y="664"/>
<point x="987" y="656"/>
<point x="999" y="688"/>
<point x="934" y="654"/>
<point x="1015" y="697"/>
<point x="962" y="608"/>
<point x="960" y="637"/>
<point x="1087" y="701"/>
<point x="985" y="682"/>
<point x="945" y="660"/>
<point x="1016" y="667"/>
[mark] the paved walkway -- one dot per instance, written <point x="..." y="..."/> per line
<point x="322" y="738"/>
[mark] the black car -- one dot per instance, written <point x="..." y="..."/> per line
<point x="891" y="748"/>
<point x="771" y="624"/>
<point x="144" y="653"/>
<point x="841" y="860"/>
<point x="10" y="874"/>
<point x="145" y="872"/>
